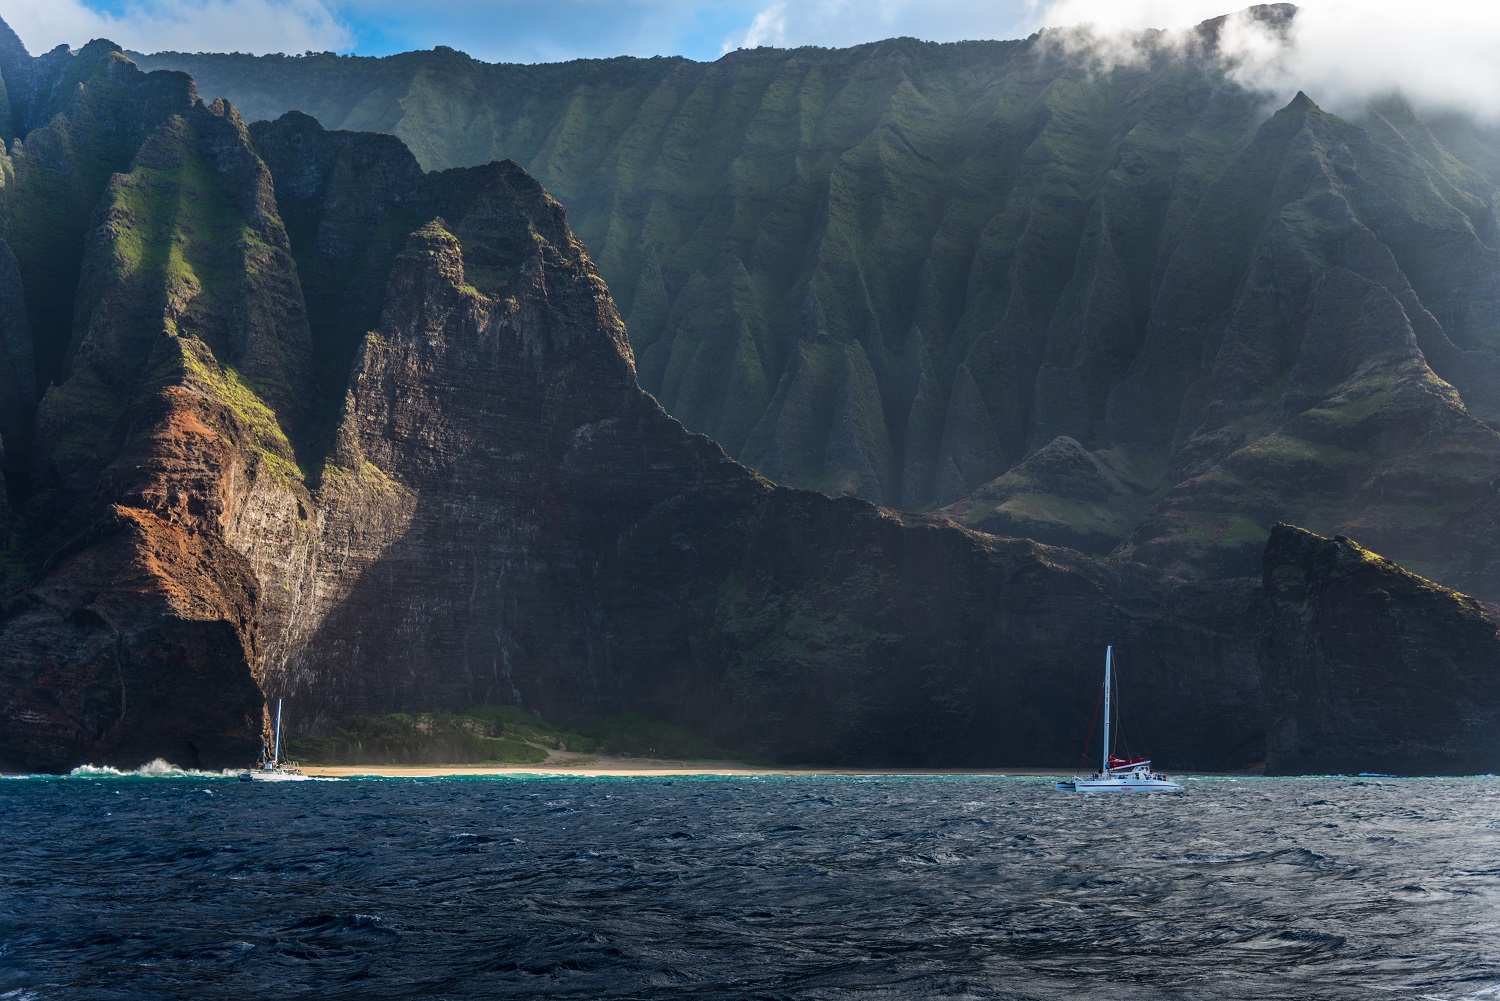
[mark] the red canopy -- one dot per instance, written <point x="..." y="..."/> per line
<point x="1115" y="762"/>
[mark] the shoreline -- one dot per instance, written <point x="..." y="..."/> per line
<point x="610" y="767"/>
<point x="644" y="771"/>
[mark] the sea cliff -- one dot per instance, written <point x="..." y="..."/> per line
<point x="318" y="424"/>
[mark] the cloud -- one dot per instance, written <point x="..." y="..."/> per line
<point x="1443" y="55"/>
<point x="1126" y="15"/>
<point x="768" y="27"/>
<point x="185" y="25"/>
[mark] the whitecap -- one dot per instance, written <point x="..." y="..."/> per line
<point x="156" y="768"/>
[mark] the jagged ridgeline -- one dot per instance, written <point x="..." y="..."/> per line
<point x="1102" y="306"/>
<point x="285" y="414"/>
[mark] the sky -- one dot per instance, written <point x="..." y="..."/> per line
<point x="1440" y="52"/>
<point x="528" y="31"/>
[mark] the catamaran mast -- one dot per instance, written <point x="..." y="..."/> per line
<point x="1103" y="771"/>
<point x="276" y="754"/>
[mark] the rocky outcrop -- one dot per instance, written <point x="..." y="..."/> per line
<point x="1063" y="495"/>
<point x="140" y="641"/>
<point x="139" y="635"/>
<point x="1371" y="668"/>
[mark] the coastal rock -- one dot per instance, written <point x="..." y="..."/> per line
<point x="138" y="637"/>
<point x="371" y="439"/>
<point x="139" y="642"/>
<point x="1370" y="668"/>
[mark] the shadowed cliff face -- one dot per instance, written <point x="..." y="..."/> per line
<point x="440" y="485"/>
<point x="926" y="274"/>
<point x="552" y="538"/>
<point x="490" y="509"/>
<point x="572" y="549"/>
<point x="1356" y="681"/>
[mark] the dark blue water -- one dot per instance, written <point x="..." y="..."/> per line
<point x="192" y="887"/>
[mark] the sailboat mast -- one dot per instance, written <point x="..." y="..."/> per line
<point x="1108" y="651"/>
<point x="276" y="754"/>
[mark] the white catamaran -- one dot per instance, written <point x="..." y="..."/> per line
<point x="1118" y="774"/>
<point x="272" y="769"/>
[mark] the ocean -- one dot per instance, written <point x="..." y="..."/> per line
<point x="198" y="886"/>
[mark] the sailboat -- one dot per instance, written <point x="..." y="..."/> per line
<point x="272" y="769"/>
<point x="1118" y="774"/>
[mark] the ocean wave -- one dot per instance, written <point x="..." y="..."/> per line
<point x="407" y="889"/>
<point x="156" y="768"/>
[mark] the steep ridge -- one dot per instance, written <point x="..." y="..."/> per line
<point x="139" y="638"/>
<point x="1333" y="397"/>
<point x="486" y="507"/>
<point x="499" y="513"/>
<point x="905" y="270"/>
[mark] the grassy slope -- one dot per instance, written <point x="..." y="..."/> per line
<point x="493" y="735"/>
<point x="163" y="270"/>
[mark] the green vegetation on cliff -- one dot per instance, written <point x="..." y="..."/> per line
<point x="906" y="271"/>
<point x="842" y="265"/>
<point x="479" y="736"/>
<point x="494" y="735"/>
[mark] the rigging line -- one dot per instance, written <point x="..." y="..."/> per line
<point x="1121" y="740"/>
<point x="1088" y="738"/>
<point x="1133" y="754"/>
<point x="1124" y="742"/>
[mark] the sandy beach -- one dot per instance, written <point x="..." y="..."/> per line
<point x="601" y="765"/>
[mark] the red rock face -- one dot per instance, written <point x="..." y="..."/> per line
<point x="140" y="641"/>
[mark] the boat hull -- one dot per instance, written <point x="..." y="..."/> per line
<point x="1118" y="785"/>
<point x="274" y="775"/>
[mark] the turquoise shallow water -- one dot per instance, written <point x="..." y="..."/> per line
<point x="198" y="886"/>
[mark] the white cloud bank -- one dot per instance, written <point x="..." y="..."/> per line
<point x="185" y="25"/>
<point x="1443" y="54"/>
<point x="1439" y="54"/>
